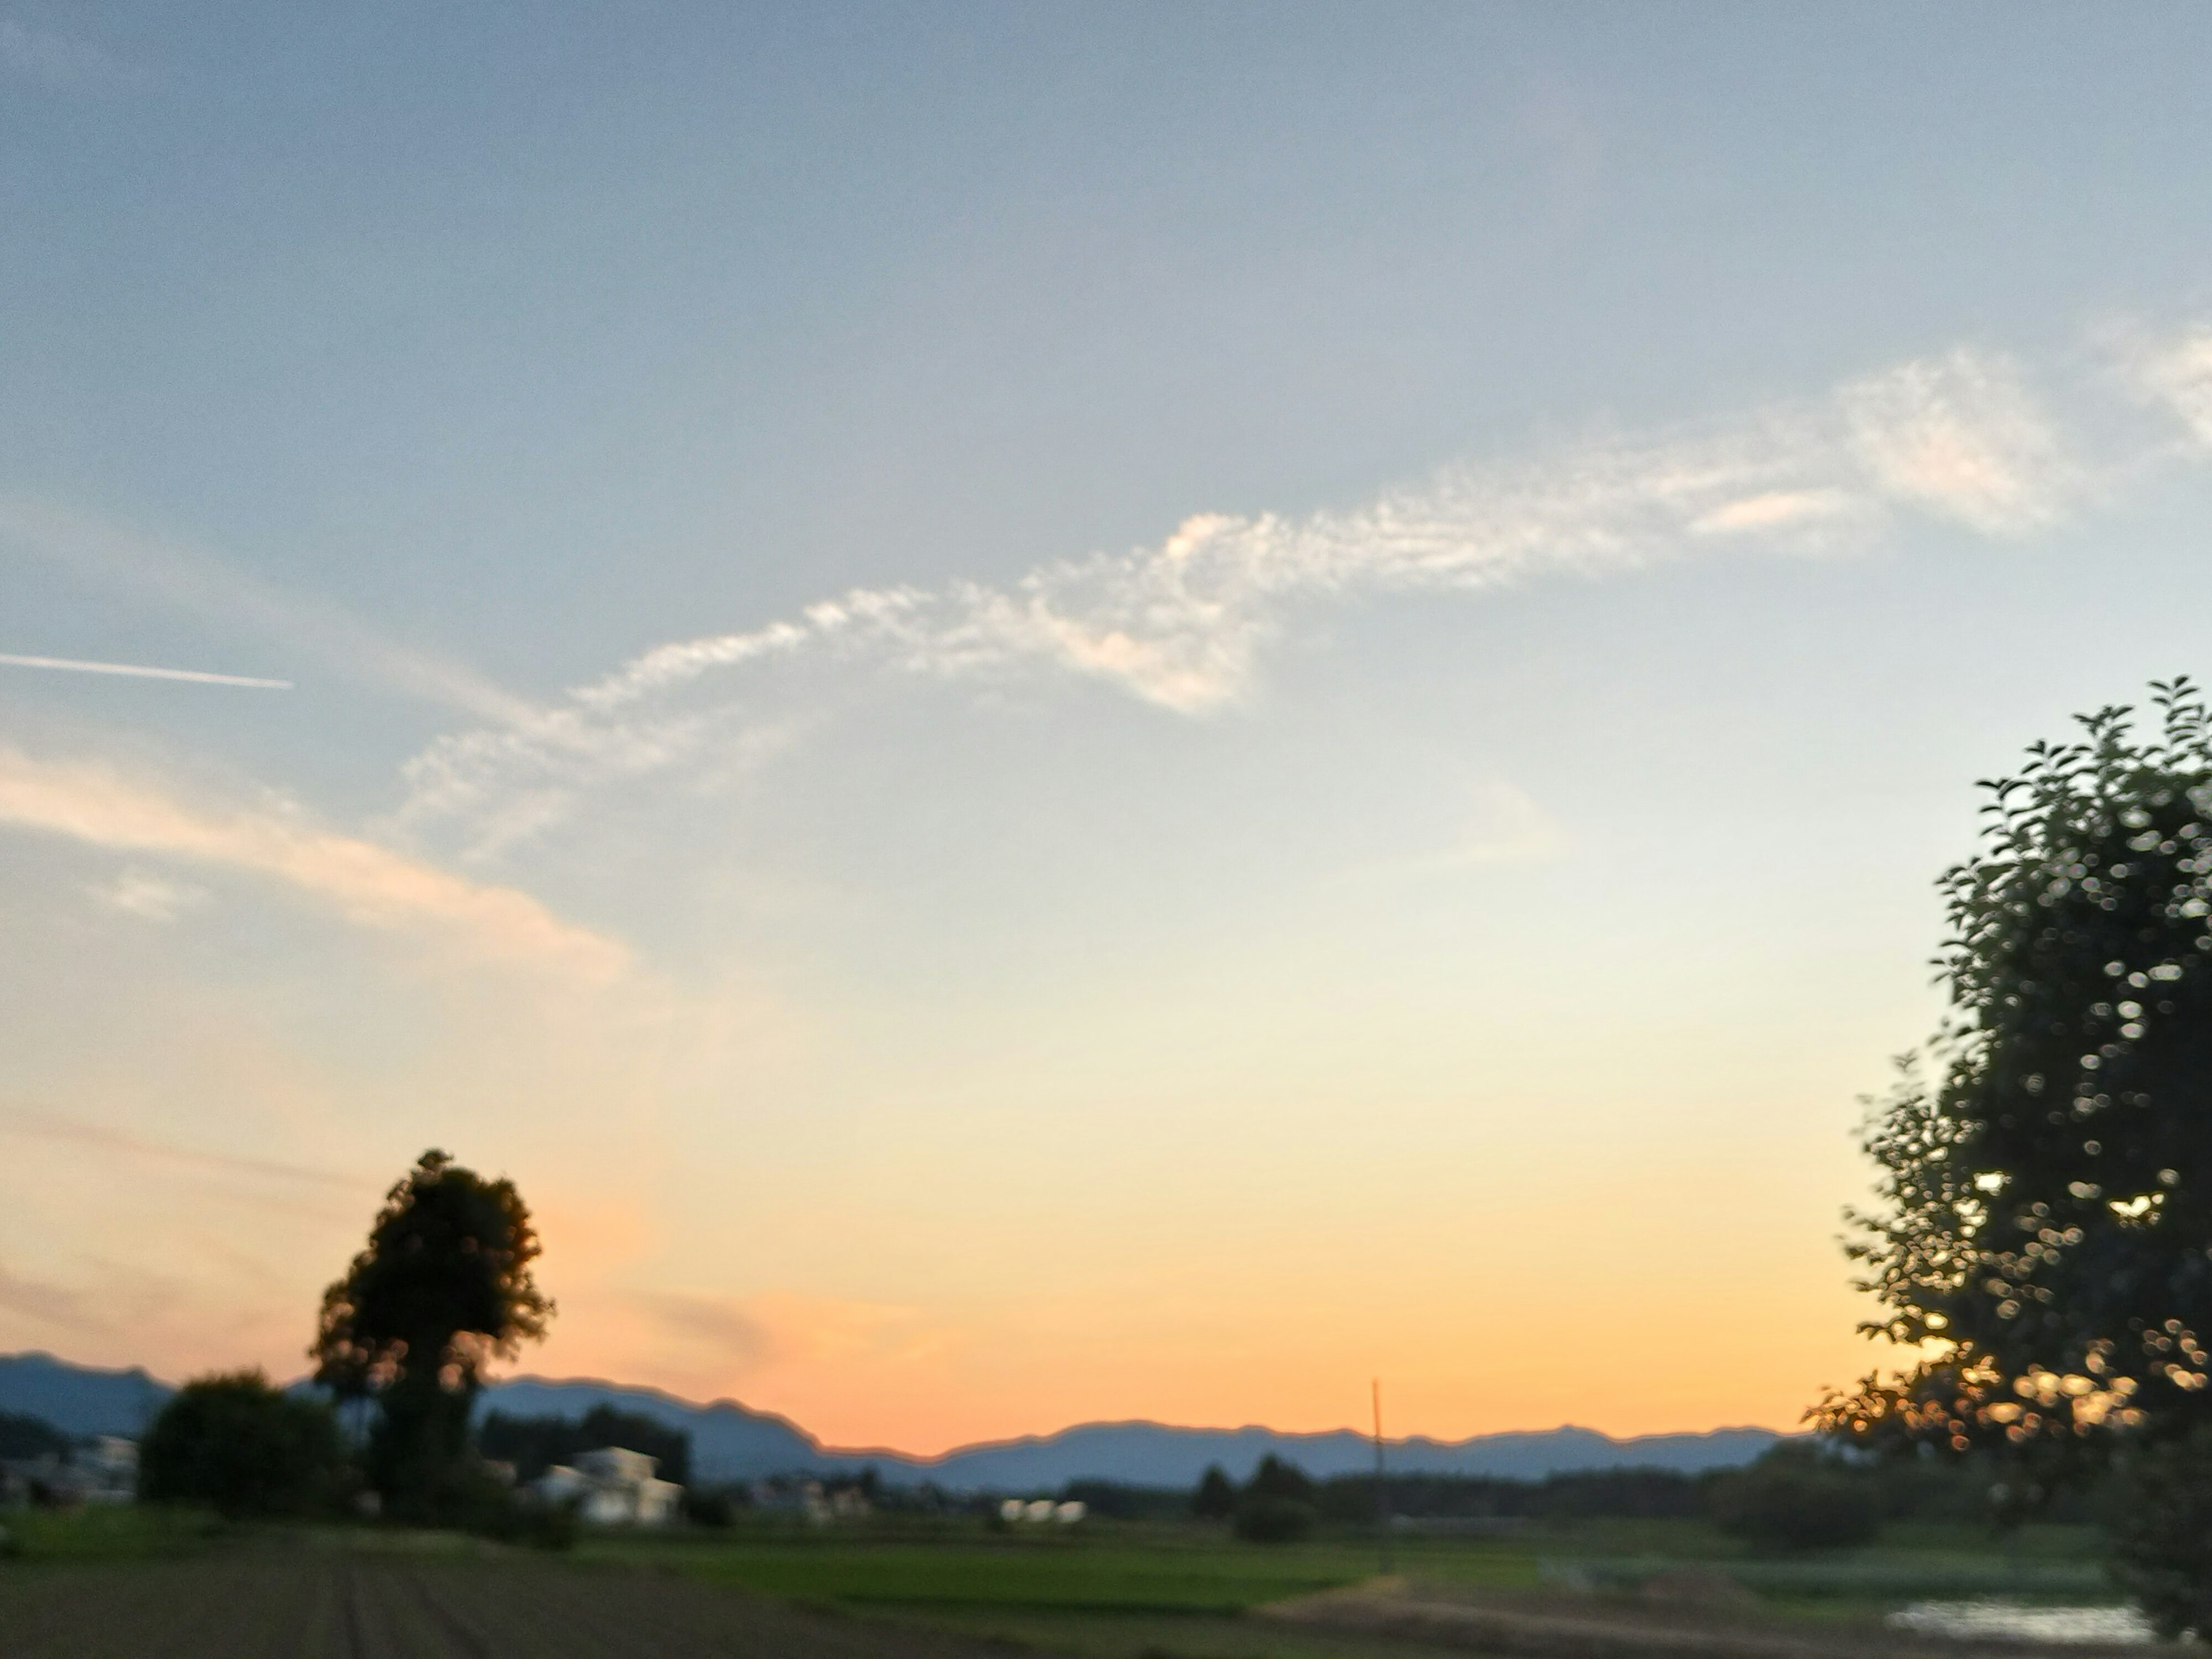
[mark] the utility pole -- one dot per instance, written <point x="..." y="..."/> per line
<point x="1382" y="1495"/>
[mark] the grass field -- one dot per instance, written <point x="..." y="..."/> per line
<point x="1121" y="1592"/>
<point x="1108" y="1591"/>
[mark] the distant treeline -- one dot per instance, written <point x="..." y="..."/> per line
<point x="1931" y="1491"/>
<point x="1624" y="1493"/>
<point x="25" y="1436"/>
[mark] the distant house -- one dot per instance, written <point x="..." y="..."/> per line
<point x="101" y="1470"/>
<point x="1040" y="1510"/>
<point x="110" y="1468"/>
<point x="613" y="1486"/>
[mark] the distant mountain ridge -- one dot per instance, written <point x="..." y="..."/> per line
<point x="731" y="1442"/>
<point x="80" y="1399"/>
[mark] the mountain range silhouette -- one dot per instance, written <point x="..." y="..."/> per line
<point x="733" y="1441"/>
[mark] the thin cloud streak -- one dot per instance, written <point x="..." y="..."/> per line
<point x="68" y="1132"/>
<point x="1961" y="437"/>
<point x="362" y="881"/>
<point x="204" y="587"/>
<point x="48" y="1304"/>
<point x="138" y="671"/>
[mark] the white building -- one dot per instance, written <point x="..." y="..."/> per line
<point x="111" y="1469"/>
<point x="1043" y="1510"/>
<point x="613" y="1486"/>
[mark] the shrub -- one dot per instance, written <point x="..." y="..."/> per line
<point x="1216" y="1497"/>
<point x="1276" y="1479"/>
<point x="713" y="1506"/>
<point x="1794" y="1499"/>
<point x="243" y="1448"/>
<point x="518" y="1518"/>
<point x="1261" y="1519"/>
<point x="2160" y="1529"/>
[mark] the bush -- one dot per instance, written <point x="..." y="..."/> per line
<point x="1216" y="1497"/>
<point x="1264" y="1520"/>
<point x="517" y="1519"/>
<point x="1276" y="1479"/>
<point x="2160" y="1525"/>
<point x="713" y="1506"/>
<point x="1794" y="1500"/>
<point x="243" y="1448"/>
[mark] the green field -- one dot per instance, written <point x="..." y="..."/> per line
<point x="1124" y="1590"/>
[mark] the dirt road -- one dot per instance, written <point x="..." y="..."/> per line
<point x="333" y="1604"/>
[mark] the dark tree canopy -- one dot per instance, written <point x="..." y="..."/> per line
<point x="2046" y="1223"/>
<point x="242" y="1447"/>
<point x="444" y="1285"/>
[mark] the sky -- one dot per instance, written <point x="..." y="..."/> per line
<point x="1051" y="714"/>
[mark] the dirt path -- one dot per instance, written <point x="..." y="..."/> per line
<point x="316" y="1604"/>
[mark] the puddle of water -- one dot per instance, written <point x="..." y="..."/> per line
<point x="2019" y="1622"/>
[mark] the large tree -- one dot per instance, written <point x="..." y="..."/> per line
<point x="2044" y="1240"/>
<point x="443" y="1286"/>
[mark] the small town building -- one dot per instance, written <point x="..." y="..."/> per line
<point x="613" y="1486"/>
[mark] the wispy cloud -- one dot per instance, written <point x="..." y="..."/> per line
<point x="49" y="1304"/>
<point x="68" y="1132"/>
<point x="203" y="585"/>
<point x="1183" y="625"/>
<point x="362" y="881"/>
<point x="1960" y="437"/>
<point x="722" y="1327"/>
<point x="149" y="897"/>
<point x="139" y="671"/>
<point x="2176" y="374"/>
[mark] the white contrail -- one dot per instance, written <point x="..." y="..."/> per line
<point x="204" y="586"/>
<point x="137" y="670"/>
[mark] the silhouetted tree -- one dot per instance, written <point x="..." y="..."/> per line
<point x="1216" y="1497"/>
<point x="444" y="1285"/>
<point x="1276" y="1505"/>
<point x="242" y="1447"/>
<point x="1276" y="1478"/>
<point x="2048" y="1191"/>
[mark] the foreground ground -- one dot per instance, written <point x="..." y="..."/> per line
<point x="1192" y="1592"/>
<point x="130" y="1582"/>
<point x="274" y="1602"/>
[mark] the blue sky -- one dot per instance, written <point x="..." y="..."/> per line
<point x="1415" y="593"/>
